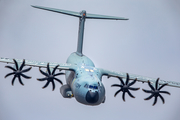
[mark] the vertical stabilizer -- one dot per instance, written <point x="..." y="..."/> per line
<point x="82" y="17"/>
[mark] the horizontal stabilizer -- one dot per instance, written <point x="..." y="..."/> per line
<point x="95" y="16"/>
<point x="76" y="14"/>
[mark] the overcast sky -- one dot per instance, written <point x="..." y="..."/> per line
<point x="147" y="44"/>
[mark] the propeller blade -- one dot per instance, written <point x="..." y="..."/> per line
<point x="134" y="89"/>
<point x="53" y="85"/>
<point x="150" y="86"/>
<point x="121" y="80"/>
<point x="123" y="96"/>
<point x="15" y="64"/>
<point x="162" y="98"/>
<point x="117" y="92"/>
<point x="116" y="85"/>
<point x="46" y="84"/>
<point x="132" y="83"/>
<point x="157" y="83"/>
<point x="165" y="92"/>
<point x="58" y="81"/>
<point x="9" y="74"/>
<point x="43" y="72"/>
<point x="26" y="70"/>
<point x="130" y="94"/>
<point x="10" y="68"/>
<point x="155" y="100"/>
<point x="48" y="69"/>
<point x="25" y="76"/>
<point x="162" y="86"/>
<point x="42" y="79"/>
<point x="22" y="65"/>
<point x="148" y="91"/>
<point x="20" y="81"/>
<point x="59" y="74"/>
<point x="13" y="80"/>
<point x="149" y="97"/>
<point x="127" y="79"/>
<point x="55" y="69"/>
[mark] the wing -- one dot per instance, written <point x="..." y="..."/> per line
<point x="50" y="75"/>
<point x="62" y="66"/>
<point x="139" y="78"/>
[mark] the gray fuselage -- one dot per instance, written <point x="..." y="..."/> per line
<point x="85" y="82"/>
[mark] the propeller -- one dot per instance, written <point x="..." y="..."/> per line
<point x="18" y="72"/>
<point x="125" y="87"/>
<point x="50" y="77"/>
<point x="155" y="92"/>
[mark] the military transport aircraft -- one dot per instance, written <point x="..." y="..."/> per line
<point x="83" y="79"/>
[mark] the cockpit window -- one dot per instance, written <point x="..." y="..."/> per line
<point x="91" y="86"/>
<point x="95" y="87"/>
<point x="86" y="85"/>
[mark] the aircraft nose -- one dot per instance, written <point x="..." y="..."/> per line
<point x="92" y="97"/>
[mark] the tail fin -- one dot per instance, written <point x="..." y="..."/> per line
<point x="82" y="17"/>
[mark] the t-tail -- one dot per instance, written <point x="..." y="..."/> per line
<point x="82" y="17"/>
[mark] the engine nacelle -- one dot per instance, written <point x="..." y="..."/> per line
<point x="65" y="91"/>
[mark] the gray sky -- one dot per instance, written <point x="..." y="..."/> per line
<point x="147" y="44"/>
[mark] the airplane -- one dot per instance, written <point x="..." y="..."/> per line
<point x="83" y="79"/>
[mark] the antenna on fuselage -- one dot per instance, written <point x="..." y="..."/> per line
<point x="82" y="17"/>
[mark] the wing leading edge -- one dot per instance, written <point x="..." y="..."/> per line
<point x="139" y="78"/>
<point x="62" y="66"/>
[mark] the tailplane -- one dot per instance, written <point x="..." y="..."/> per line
<point x="78" y="14"/>
<point x="82" y="16"/>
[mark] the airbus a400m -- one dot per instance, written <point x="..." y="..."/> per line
<point x="83" y="79"/>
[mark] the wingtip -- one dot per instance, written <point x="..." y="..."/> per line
<point x="33" y="6"/>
